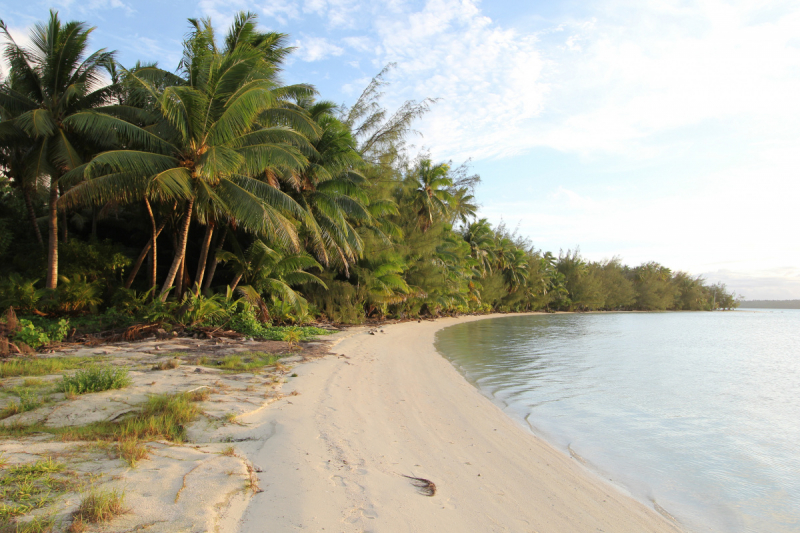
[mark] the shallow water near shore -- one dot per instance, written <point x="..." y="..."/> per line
<point x="697" y="412"/>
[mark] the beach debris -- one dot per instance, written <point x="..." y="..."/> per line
<point x="426" y="487"/>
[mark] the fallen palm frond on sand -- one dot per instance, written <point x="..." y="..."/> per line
<point x="426" y="487"/>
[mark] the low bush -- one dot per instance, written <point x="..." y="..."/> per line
<point x="95" y="379"/>
<point x="41" y="333"/>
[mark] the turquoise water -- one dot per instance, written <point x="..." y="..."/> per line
<point x="698" y="412"/>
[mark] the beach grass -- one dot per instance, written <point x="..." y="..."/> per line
<point x="97" y="506"/>
<point x="42" y="366"/>
<point x="242" y="362"/>
<point x="163" y="416"/>
<point x="94" y="379"/>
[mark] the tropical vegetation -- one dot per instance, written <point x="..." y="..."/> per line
<point x="215" y="194"/>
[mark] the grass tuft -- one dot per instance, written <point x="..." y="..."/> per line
<point x="95" y="379"/>
<point x="132" y="451"/>
<point x="243" y="362"/>
<point x="169" y="364"/>
<point x="97" y="506"/>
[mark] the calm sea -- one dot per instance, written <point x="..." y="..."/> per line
<point x="697" y="412"/>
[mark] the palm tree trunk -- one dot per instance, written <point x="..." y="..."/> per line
<point x="145" y="251"/>
<point x="201" y="263"/>
<point x="64" y="229"/>
<point x="32" y="215"/>
<point x="154" y="243"/>
<point x="180" y="252"/>
<point x="52" y="238"/>
<point x="236" y="281"/>
<point x="212" y="267"/>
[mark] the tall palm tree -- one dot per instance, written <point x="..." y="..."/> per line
<point x="463" y="207"/>
<point x="206" y="147"/>
<point x="50" y="82"/>
<point x="431" y="194"/>
<point x="331" y="188"/>
<point x="480" y="237"/>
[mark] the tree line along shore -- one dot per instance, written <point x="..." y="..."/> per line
<point x="211" y="194"/>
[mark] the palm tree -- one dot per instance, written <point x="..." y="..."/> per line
<point x="50" y="82"/>
<point x="205" y="147"/>
<point x="331" y="189"/>
<point x="463" y="207"/>
<point x="269" y="271"/>
<point x="480" y="237"/>
<point x="431" y="193"/>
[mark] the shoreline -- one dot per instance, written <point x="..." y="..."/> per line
<point x="389" y="405"/>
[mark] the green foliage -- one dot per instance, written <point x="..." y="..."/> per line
<point x="20" y="293"/>
<point x="299" y="207"/>
<point x="37" y="336"/>
<point x="95" y="379"/>
<point x="77" y="294"/>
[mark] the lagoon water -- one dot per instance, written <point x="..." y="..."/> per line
<point x="697" y="412"/>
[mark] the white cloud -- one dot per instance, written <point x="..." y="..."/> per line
<point x="337" y="13"/>
<point x="316" y="48"/>
<point x="489" y="79"/>
<point x="359" y="43"/>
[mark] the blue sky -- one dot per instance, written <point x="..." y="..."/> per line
<point x="649" y="129"/>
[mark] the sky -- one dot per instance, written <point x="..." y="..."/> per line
<point x="652" y="130"/>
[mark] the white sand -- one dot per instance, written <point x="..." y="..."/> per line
<point x="333" y="456"/>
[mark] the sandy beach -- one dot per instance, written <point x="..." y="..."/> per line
<point x="334" y="457"/>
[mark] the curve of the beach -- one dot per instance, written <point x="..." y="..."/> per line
<point x="335" y="456"/>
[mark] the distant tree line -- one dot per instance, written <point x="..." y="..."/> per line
<point x="218" y="190"/>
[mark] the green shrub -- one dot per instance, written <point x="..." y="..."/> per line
<point x="42" y="332"/>
<point x="95" y="379"/>
<point x="77" y="294"/>
<point x="31" y="335"/>
<point x="20" y="293"/>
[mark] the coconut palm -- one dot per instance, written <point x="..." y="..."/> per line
<point x="49" y="82"/>
<point x="205" y="147"/>
<point x="462" y="206"/>
<point x="480" y="237"/>
<point x="268" y="271"/>
<point x="431" y="195"/>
